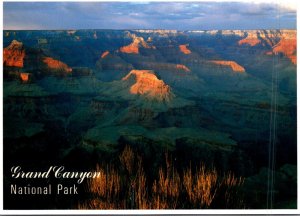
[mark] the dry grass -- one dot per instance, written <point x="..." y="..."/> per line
<point x="107" y="185"/>
<point x="166" y="190"/>
<point x="106" y="188"/>
<point x="231" y="186"/>
<point x="169" y="190"/>
<point x="141" y="199"/>
<point x="201" y="187"/>
<point x="127" y="159"/>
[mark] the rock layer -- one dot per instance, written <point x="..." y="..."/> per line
<point x="134" y="46"/>
<point x="183" y="67"/>
<point x="234" y="66"/>
<point x="24" y="77"/>
<point x="104" y="54"/>
<point x="252" y="41"/>
<point x="288" y="47"/>
<point x="54" y="64"/>
<point x="147" y="84"/>
<point x="14" y="54"/>
<point x="183" y="48"/>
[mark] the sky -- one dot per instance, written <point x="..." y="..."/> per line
<point x="197" y="15"/>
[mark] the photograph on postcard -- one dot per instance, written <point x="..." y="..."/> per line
<point x="150" y="105"/>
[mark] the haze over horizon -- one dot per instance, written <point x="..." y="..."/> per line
<point x="148" y="15"/>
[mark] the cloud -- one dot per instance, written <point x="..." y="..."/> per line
<point x="166" y="15"/>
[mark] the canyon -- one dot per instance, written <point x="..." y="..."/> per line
<point x="203" y="96"/>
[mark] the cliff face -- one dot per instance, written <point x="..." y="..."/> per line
<point x="287" y="46"/>
<point x="57" y="65"/>
<point x="14" y="54"/>
<point x="131" y="48"/>
<point x="135" y="45"/>
<point x="183" y="67"/>
<point x="24" y="77"/>
<point x="234" y="66"/>
<point x="104" y="54"/>
<point x="147" y="84"/>
<point x="252" y="40"/>
<point x="265" y="37"/>
<point x="270" y="37"/>
<point x="280" y="41"/>
<point x="183" y="48"/>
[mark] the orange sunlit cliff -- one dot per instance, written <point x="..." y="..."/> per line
<point x="283" y="41"/>
<point x="147" y="83"/>
<point x="183" y="67"/>
<point x="288" y="47"/>
<point x="104" y="54"/>
<point x="252" y="41"/>
<point x="255" y="37"/>
<point x="135" y="45"/>
<point x="56" y="65"/>
<point x="183" y="48"/>
<point x="14" y="54"/>
<point x="234" y="66"/>
<point x="24" y="77"/>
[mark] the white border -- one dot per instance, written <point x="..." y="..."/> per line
<point x="147" y="212"/>
<point x="152" y="212"/>
<point x="1" y="114"/>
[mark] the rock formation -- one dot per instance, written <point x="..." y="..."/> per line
<point x="234" y="66"/>
<point x="57" y="65"/>
<point x="135" y="45"/>
<point x="147" y="84"/>
<point x="288" y="47"/>
<point x="183" y="67"/>
<point x="24" y="77"/>
<point x="14" y="54"/>
<point x="183" y="48"/>
<point x="264" y="37"/>
<point x="104" y="54"/>
<point x="281" y="41"/>
<point x="251" y="39"/>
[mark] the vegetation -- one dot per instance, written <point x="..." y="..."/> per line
<point x="129" y="188"/>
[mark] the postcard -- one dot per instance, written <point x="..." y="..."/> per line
<point x="149" y="105"/>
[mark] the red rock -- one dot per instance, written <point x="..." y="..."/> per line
<point x="24" y="77"/>
<point x="56" y="64"/>
<point x="183" y="67"/>
<point x="134" y="46"/>
<point x="252" y="38"/>
<point x="131" y="48"/>
<point x="104" y="54"/>
<point x="283" y="41"/>
<point x="149" y="85"/>
<point x="234" y="66"/>
<point x="183" y="48"/>
<point x="14" y="54"/>
<point x="250" y="41"/>
<point x="288" y="47"/>
<point x="256" y="37"/>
